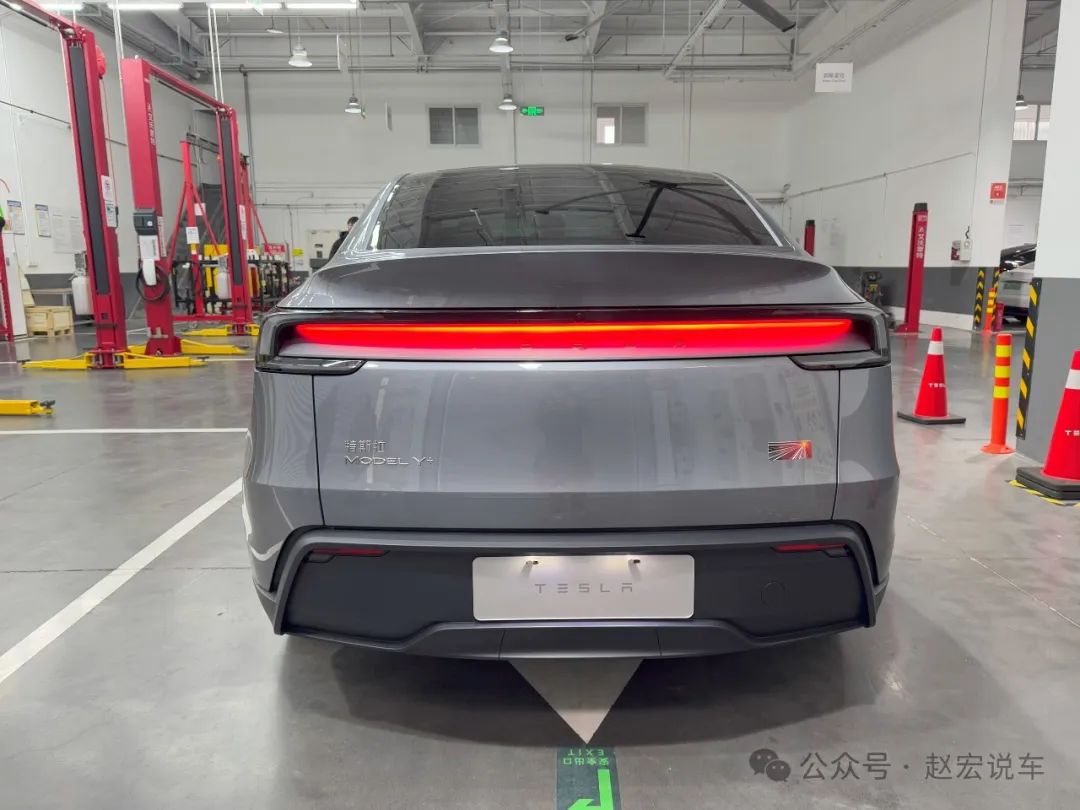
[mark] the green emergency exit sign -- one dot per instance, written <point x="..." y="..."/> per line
<point x="531" y="110"/>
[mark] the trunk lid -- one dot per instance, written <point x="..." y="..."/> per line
<point x="539" y="442"/>
<point x="575" y="445"/>
<point x="571" y="277"/>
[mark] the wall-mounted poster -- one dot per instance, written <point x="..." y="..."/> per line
<point x="44" y="224"/>
<point x="16" y="219"/>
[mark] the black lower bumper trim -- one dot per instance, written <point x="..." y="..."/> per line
<point x="415" y="595"/>
<point x="510" y="640"/>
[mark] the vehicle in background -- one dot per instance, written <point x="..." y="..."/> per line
<point x="570" y="411"/>
<point x="1014" y="282"/>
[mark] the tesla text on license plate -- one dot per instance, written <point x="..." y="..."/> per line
<point x="602" y="586"/>
<point x="1013" y="285"/>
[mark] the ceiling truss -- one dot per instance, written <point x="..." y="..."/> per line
<point x="682" y="39"/>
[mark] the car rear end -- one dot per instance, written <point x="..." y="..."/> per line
<point x="576" y="450"/>
<point x="1014" y="289"/>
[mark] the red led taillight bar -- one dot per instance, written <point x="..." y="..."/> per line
<point x="548" y="340"/>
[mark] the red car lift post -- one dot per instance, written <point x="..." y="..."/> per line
<point x="7" y="330"/>
<point x="808" y="236"/>
<point x="916" y="260"/>
<point x="136" y="75"/>
<point x="189" y="199"/>
<point x="84" y="66"/>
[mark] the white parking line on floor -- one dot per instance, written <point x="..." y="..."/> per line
<point x="12" y="660"/>
<point x="70" y="431"/>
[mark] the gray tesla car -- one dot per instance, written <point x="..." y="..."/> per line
<point x="570" y="411"/>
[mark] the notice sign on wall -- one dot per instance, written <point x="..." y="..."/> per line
<point x="108" y="196"/>
<point x="16" y="219"/>
<point x="44" y="224"/>
<point x="998" y="191"/>
<point x="834" y="77"/>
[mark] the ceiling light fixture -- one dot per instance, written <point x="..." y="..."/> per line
<point x="318" y="6"/>
<point x="354" y="107"/>
<point x="145" y="6"/>
<point x="272" y="28"/>
<point x="299" y="58"/>
<point x="244" y="7"/>
<point x="1021" y="102"/>
<point x="501" y="43"/>
<point x="507" y="104"/>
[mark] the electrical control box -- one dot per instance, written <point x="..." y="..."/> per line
<point x="146" y="222"/>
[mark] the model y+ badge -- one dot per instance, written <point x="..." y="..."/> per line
<point x="800" y="450"/>
<point x="371" y="453"/>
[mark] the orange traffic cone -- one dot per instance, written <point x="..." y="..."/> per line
<point x="1060" y="476"/>
<point x="932" y="406"/>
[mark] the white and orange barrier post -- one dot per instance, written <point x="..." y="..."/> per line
<point x="991" y="310"/>
<point x="999" y="415"/>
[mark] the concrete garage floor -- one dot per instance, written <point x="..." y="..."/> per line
<point x="173" y="693"/>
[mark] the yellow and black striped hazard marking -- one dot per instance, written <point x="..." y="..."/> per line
<point x="1028" y="357"/>
<point x="980" y="296"/>
<point x="980" y="292"/>
<point x="1040" y="496"/>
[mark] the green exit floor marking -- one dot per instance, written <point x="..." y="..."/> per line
<point x="586" y="779"/>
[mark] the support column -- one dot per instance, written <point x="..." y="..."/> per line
<point x="1055" y="314"/>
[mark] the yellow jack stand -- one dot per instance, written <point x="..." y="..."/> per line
<point x="26" y="407"/>
<point x="125" y="360"/>
<point x="250" y="329"/>
<point x="195" y="347"/>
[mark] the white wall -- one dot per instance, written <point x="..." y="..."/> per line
<point x="1022" y="218"/>
<point x="1027" y="167"/>
<point x="37" y="158"/>
<point x="315" y="165"/>
<point x="928" y="121"/>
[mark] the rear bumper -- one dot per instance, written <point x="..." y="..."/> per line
<point x="1014" y="299"/>
<point x="417" y="598"/>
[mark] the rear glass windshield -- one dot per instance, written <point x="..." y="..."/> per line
<point x="565" y="205"/>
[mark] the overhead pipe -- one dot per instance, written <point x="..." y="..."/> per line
<point x="703" y="24"/>
<point x="594" y="22"/>
<point x="250" y="132"/>
<point x="769" y="14"/>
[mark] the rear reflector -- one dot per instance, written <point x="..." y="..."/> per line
<point x="548" y="340"/>
<point x="348" y="551"/>
<point x="790" y="547"/>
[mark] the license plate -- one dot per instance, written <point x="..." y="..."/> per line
<point x="1013" y="285"/>
<point x="602" y="586"/>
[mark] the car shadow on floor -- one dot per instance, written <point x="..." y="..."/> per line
<point x="668" y="701"/>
